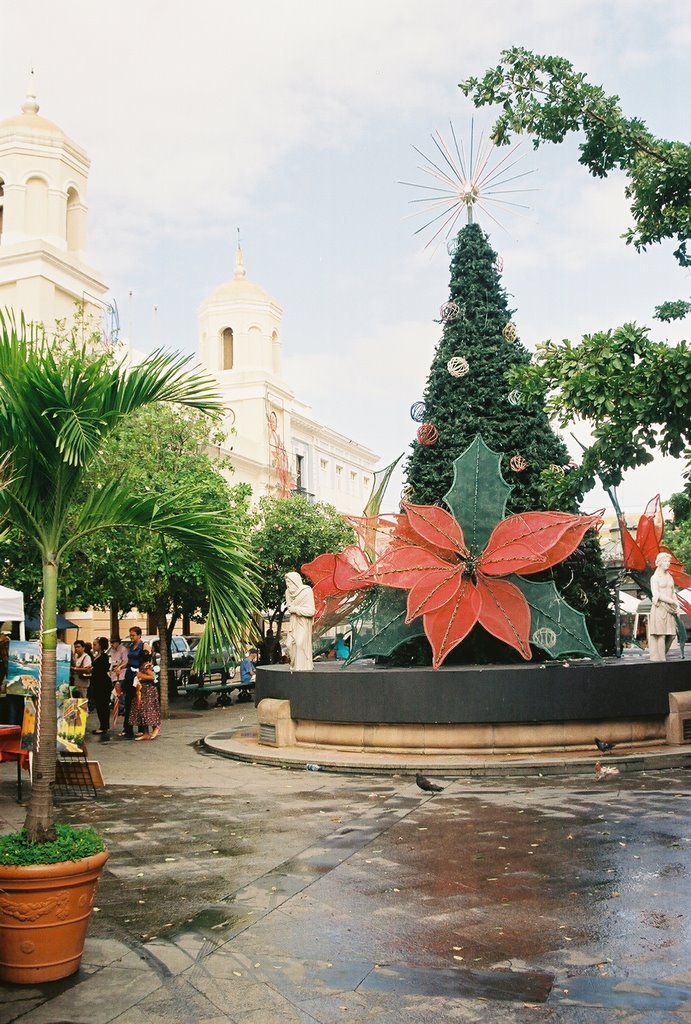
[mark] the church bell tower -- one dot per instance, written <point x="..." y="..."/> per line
<point x="43" y="187"/>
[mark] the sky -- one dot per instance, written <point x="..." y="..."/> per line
<point x="296" y="123"/>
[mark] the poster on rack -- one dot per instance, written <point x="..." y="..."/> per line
<point x="23" y="663"/>
<point x="72" y="716"/>
<point x="28" y="724"/>
<point x="71" y="725"/>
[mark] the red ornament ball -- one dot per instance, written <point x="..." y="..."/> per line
<point x="427" y="434"/>
<point x="518" y="464"/>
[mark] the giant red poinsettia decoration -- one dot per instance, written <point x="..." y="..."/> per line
<point x="335" y="576"/>
<point x="454" y="585"/>
<point x="641" y="551"/>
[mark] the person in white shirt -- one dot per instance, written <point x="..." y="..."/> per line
<point x="81" y="668"/>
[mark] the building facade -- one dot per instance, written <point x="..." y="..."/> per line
<point x="272" y="438"/>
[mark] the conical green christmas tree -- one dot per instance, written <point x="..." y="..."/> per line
<point x="467" y="393"/>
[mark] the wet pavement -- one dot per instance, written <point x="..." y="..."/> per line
<point x="258" y="895"/>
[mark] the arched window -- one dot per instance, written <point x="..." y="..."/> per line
<point x="36" y="209"/>
<point x="275" y="353"/>
<point x="227" y="351"/>
<point x="72" y="221"/>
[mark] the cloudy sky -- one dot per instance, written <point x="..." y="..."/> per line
<point x="296" y="121"/>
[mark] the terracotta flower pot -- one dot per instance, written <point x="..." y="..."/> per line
<point x="44" y="915"/>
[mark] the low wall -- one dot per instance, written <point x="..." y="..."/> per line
<point x="524" y="707"/>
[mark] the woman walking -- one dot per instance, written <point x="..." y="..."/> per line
<point x="101" y="685"/>
<point x="146" y="711"/>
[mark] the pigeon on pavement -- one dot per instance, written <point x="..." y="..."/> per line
<point x="603" y="746"/>
<point x="426" y="785"/>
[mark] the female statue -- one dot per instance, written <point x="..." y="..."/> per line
<point x="662" y="626"/>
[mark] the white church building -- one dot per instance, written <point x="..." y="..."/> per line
<point x="274" y="443"/>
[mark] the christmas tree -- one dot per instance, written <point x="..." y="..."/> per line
<point x="467" y="393"/>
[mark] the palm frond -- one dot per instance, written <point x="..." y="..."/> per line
<point x="163" y="377"/>
<point x="209" y="536"/>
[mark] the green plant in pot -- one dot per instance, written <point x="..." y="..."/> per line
<point x="58" y="404"/>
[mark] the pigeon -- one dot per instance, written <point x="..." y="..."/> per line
<point x="426" y="785"/>
<point x="603" y="746"/>
<point x="602" y="770"/>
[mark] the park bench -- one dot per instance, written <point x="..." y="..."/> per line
<point x="222" y="683"/>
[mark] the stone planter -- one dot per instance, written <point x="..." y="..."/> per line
<point x="44" y="916"/>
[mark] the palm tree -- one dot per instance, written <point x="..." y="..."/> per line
<point x="57" y="406"/>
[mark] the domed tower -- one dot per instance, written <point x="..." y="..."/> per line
<point x="240" y="344"/>
<point x="240" y="329"/>
<point x="43" y="186"/>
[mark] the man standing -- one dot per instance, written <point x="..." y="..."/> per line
<point x="81" y="668"/>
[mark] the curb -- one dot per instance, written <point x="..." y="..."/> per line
<point x="241" y="744"/>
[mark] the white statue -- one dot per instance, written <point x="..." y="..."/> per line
<point x="300" y="603"/>
<point x="662" y="626"/>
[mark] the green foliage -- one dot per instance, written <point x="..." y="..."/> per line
<point x="546" y="98"/>
<point x="678" y="532"/>
<point x="680" y="505"/>
<point x="18" y="850"/>
<point x="159" y="447"/>
<point x="675" y="310"/>
<point x="288" y="532"/>
<point x="635" y="392"/>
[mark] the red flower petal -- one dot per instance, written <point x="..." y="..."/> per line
<point x="434" y="591"/>
<point x="647" y="540"/>
<point x="448" y="626"/>
<point x="321" y="572"/>
<point x="632" y="554"/>
<point x="677" y="571"/>
<point x="436" y="527"/>
<point x="404" y="566"/>
<point x="350" y="565"/>
<point x="533" y="541"/>
<point x="505" y="613"/>
<point x="374" y="532"/>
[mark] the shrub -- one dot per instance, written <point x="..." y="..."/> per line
<point x="16" y="849"/>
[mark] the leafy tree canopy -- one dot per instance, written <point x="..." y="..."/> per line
<point x="160" y="447"/>
<point x="286" y="533"/>
<point x="548" y="99"/>
<point x="635" y="392"/>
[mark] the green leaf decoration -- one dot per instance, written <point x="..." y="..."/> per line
<point x="380" y="626"/>
<point x="379" y="485"/>
<point x="555" y="626"/>
<point x="478" y="495"/>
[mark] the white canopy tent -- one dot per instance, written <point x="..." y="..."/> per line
<point x="628" y="603"/>
<point x="12" y="607"/>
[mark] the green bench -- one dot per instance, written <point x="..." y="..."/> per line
<point x="213" y="682"/>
